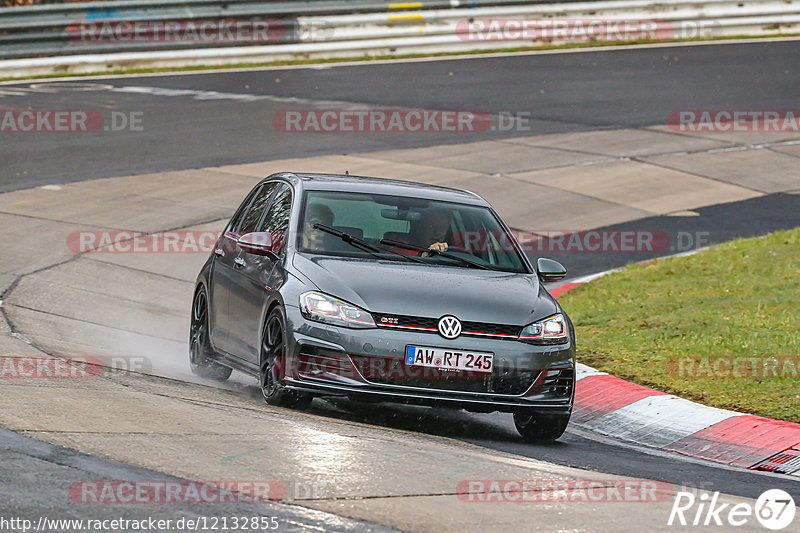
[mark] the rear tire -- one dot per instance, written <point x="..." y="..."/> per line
<point x="201" y="354"/>
<point x="273" y="362"/>
<point x="540" y="428"/>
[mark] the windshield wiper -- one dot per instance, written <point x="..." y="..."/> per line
<point x="408" y="246"/>
<point x="363" y="245"/>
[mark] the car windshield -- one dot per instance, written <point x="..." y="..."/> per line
<point x="435" y="232"/>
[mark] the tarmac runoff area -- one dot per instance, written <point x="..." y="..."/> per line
<point x="130" y="310"/>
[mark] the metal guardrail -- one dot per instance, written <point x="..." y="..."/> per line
<point x="42" y="30"/>
<point x="323" y="28"/>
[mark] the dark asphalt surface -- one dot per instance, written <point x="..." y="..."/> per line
<point x="562" y="92"/>
<point x="675" y="234"/>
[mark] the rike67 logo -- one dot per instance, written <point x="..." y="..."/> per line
<point x="774" y="510"/>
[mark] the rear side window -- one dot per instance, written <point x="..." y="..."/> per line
<point x="248" y="218"/>
<point x="276" y="220"/>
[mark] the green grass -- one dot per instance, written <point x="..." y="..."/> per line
<point x="740" y="298"/>
<point x="566" y="46"/>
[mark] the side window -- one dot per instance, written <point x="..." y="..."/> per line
<point x="276" y="220"/>
<point x="248" y="219"/>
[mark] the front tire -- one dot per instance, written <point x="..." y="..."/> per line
<point x="273" y="361"/>
<point x="540" y="428"/>
<point x="201" y="354"/>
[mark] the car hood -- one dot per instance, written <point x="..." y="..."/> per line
<point x="392" y="287"/>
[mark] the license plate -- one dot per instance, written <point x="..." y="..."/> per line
<point x="448" y="359"/>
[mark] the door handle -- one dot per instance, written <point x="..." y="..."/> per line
<point x="219" y="252"/>
<point x="238" y="262"/>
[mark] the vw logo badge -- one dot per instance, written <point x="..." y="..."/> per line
<point x="449" y="327"/>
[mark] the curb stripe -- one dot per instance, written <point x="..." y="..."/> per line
<point x="659" y="420"/>
<point x="582" y="371"/>
<point x="597" y="396"/>
<point x="742" y="441"/>
<point x="561" y="289"/>
<point x="787" y="462"/>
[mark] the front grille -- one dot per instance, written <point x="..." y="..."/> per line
<point x="430" y="325"/>
<point x="394" y="371"/>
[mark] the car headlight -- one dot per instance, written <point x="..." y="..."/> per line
<point x="552" y="330"/>
<point x="330" y="310"/>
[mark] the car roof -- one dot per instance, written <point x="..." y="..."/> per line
<point x="345" y="182"/>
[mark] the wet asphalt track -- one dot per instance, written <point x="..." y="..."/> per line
<point x="36" y="476"/>
<point x="572" y="92"/>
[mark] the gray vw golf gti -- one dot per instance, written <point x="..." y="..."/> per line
<point x="383" y="290"/>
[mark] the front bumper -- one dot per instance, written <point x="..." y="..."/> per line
<point x="370" y="364"/>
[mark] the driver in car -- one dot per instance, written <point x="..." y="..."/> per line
<point x="429" y="232"/>
<point x="313" y="238"/>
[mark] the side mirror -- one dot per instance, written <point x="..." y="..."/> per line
<point x="261" y="243"/>
<point x="550" y="270"/>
